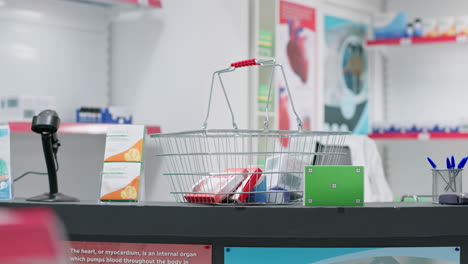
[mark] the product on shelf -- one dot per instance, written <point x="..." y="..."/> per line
<point x="112" y="114"/>
<point x="434" y="127"/>
<point x="409" y="32"/>
<point x="417" y="28"/>
<point x="446" y="26"/>
<point x="429" y="27"/>
<point x="390" y="25"/>
<point x="461" y="25"/>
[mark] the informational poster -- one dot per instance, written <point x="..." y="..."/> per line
<point x="5" y="169"/>
<point x="391" y="255"/>
<point x="346" y="76"/>
<point x="138" y="253"/>
<point x="296" y="50"/>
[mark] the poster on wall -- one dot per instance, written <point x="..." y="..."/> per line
<point x="296" y="51"/>
<point x="139" y="253"/>
<point x="390" y="255"/>
<point x="345" y="76"/>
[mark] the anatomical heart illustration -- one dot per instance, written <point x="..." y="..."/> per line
<point x="296" y="50"/>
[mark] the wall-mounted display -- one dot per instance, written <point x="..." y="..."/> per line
<point x="296" y="51"/>
<point x="346" y="76"/>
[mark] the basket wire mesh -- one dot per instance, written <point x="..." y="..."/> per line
<point x="231" y="166"/>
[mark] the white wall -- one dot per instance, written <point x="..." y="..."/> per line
<point x="163" y="61"/>
<point x="80" y="160"/>
<point x="162" y="66"/>
<point x="430" y="78"/>
<point x="55" y="48"/>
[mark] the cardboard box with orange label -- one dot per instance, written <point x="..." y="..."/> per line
<point x="122" y="176"/>
<point x="124" y="143"/>
<point x="120" y="181"/>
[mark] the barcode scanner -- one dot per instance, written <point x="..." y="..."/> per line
<point x="46" y="123"/>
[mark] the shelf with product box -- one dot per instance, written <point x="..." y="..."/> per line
<point x="434" y="132"/>
<point x="419" y="135"/>
<point x="76" y="128"/>
<point x="122" y="4"/>
<point x="418" y="40"/>
<point x="398" y="30"/>
<point x="421" y="108"/>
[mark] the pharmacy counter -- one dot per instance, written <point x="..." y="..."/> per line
<point x="374" y="225"/>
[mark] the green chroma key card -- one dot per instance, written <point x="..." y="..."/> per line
<point x="334" y="186"/>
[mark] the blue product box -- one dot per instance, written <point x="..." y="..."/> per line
<point x="388" y="26"/>
<point x="261" y="196"/>
<point x="112" y="115"/>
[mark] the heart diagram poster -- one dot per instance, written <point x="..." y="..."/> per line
<point x="296" y="50"/>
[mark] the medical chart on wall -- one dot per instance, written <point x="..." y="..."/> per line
<point x="345" y="76"/>
<point x="296" y="50"/>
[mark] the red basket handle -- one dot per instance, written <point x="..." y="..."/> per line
<point x="244" y="63"/>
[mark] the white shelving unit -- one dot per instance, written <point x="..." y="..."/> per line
<point x="123" y="5"/>
<point x="423" y="83"/>
<point x="264" y="14"/>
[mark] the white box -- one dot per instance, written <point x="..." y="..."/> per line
<point x="124" y="143"/>
<point x="120" y="181"/>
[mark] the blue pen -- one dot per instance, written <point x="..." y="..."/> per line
<point x="453" y="162"/>
<point x="460" y="166"/>
<point x="432" y="163"/>
<point x="449" y="164"/>
<point x="462" y="163"/>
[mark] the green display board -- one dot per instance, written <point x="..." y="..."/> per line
<point x="334" y="186"/>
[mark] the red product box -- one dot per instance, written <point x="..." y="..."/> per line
<point x="214" y="189"/>
<point x="251" y="180"/>
<point x="30" y="236"/>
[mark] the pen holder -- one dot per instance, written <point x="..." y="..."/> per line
<point x="446" y="181"/>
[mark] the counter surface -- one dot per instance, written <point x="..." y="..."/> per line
<point x="374" y="220"/>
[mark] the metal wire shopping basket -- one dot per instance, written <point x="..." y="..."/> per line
<point x="223" y="166"/>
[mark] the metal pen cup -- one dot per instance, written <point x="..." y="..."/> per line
<point x="446" y="181"/>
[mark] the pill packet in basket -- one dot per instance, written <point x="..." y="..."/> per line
<point x="216" y="188"/>
<point x="287" y="174"/>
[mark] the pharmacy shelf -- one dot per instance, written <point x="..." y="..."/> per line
<point x="419" y="136"/>
<point x="416" y="41"/>
<point x="76" y="128"/>
<point x="124" y="4"/>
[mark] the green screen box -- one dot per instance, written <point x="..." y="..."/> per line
<point x="334" y="186"/>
